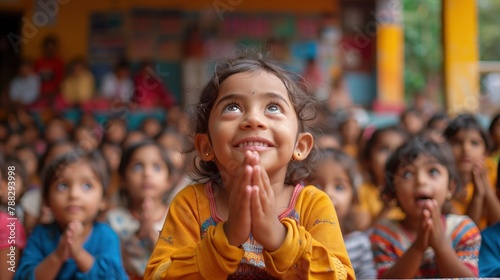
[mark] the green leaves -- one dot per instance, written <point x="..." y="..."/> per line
<point x="423" y="46"/>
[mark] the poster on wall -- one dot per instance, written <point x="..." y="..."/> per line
<point x="107" y="42"/>
<point x="173" y="37"/>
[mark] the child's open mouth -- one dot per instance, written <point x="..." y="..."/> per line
<point x="420" y="200"/>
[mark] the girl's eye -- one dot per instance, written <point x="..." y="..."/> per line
<point x="475" y="143"/>
<point x="383" y="149"/>
<point x="231" y="108"/>
<point x="156" y="167"/>
<point x="406" y="174"/>
<point x="274" y="108"/>
<point x="86" y="186"/>
<point x="62" y="187"/>
<point x="339" y="188"/>
<point x="137" y="167"/>
<point x="434" y="171"/>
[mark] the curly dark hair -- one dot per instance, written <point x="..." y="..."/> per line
<point x="304" y="104"/>
<point x="410" y="151"/>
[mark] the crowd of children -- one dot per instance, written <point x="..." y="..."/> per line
<point x="269" y="187"/>
<point x="48" y="83"/>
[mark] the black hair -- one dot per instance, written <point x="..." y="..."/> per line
<point x="410" y="111"/>
<point x="491" y="129"/>
<point x="127" y="156"/>
<point x="410" y="151"/>
<point x="30" y="148"/>
<point x="78" y="60"/>
<point x="50" y="147"/>
<point x="304" y="105"/>
<point x="130" y="151"/>
<point x="373" y="140"/>
<point x="435" y="118"/>
<point x="26" y="61"/>
<point x="495" y="119"/>
<point x="467" y="122"/>
<point x="122" y="63"/>
<point x="53" y="170"/>
<point x="50" y="40"/>
<point x="346" y="161"/>
<point x="109" y="143"/>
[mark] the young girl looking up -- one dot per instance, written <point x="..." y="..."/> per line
<point x="144" y="171"/>
<point x="470" y="144"/>
<point x="428" y="242"/>
<point x="75" y="245"/>
<point x="372" y="206"/>
<point x="35" y="212"/>
<point x="337" y="174"/>
<point x="252" y="218"/>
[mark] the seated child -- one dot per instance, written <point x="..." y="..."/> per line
<point x="338" y="176"/>
<point x="429" y="242"/>
<point x="144" y="171"/>
<point x="74" y="246"/>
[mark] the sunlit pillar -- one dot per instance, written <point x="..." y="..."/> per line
<point x="390" y="55"/>
<point x="461" y="55"/>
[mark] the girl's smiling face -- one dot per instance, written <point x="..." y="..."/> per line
<point x="253" y="111"/>
<point x="423" y="179"/>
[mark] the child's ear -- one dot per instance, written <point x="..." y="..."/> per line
<point x="305" y="143"/>
<point x="203" y="147"/>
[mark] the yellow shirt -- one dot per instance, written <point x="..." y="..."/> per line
<point x="351" y="150"/>
<point x="193" y="245"/>
<point x="80" y="89"/>
<point x="370" y="201"/>
<point x="462" y="204"/>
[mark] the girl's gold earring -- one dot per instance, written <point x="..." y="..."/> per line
<point x="448" y="196"/>
<point x="295" y="157"/>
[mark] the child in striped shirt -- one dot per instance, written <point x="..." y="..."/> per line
<point x="428" y="243"/>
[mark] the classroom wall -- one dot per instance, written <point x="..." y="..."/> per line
<point x="70" y="18"/>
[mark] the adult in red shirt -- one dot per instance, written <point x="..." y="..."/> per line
<point x="50" y="68"/>
<point x="149" y="90"/>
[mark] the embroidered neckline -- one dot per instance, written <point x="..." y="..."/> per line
<point x="213" y="206"/>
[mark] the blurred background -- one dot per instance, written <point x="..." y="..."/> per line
<point x="381" y="56"/>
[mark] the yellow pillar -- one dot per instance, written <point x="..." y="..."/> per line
<point x="461" y="55"/>
<point x="390" y="56"/>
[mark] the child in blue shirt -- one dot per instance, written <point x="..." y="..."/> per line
<point x="75" y="246"/>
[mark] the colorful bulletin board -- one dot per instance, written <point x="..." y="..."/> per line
<point x="159" y="35"/>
